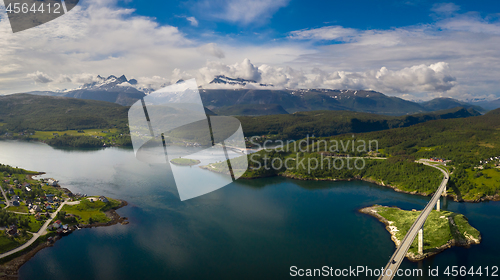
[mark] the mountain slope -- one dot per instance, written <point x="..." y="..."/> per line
<point x="488" y="105"/>
<point x="124" y="92"/>
<point x="251" y="110"/>
<point x="328" y="123"/>
<point x="111" y="89"/>
<point x="31" y="112"/>
<point x="311" y="100"/>
<point x="444" y="103"/>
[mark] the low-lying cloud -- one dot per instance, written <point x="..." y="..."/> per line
<point x="435" y="77"/>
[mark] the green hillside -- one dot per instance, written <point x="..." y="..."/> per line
<point x="465" y="142"/>
<point x="31" y="112"/>
<point x="251" y="110"/>
<point x="329" y="123"/>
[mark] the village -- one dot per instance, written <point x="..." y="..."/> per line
<point x="32" y="208"/>
<point x="493" y="161"/>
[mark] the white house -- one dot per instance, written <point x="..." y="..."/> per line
<point x="52" y="182"/>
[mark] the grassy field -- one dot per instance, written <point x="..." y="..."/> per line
<point x="489" y="177"/>
<point x="34" y="224"/>
<point x="44" y="135"/>
<point x="53" y="190"/>
<point x="20" y="208"/>
<point x="427" y="149"/>
<point x="87" y="209"/>
<point x="185" y="161"/>
<point x="438" y="230"/>
<point x="7" y="243"/>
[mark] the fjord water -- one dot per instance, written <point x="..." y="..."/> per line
<point x="251" y="229"/>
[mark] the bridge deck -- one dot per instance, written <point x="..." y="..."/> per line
<point x="401" y="251"/>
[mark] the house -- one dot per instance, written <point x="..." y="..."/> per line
<point x="12" y="230"/>
<point x="38" y="216"/>
<point x="52" y="182"/>
<point x="15" y="203"/>
<point x="57" y="224"/>
<point x="37" y="208"/>
<point x="28" y="189"/>
<point x="49" y="207"/>
<point x="26" y="184"/>
<point x="103" y="199"/>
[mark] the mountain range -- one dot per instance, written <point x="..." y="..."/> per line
<point x="263" y="99"/>
<point x="111" y="89"/>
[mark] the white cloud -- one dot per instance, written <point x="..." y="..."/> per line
<point x="212" y="49"/>
<point x="445" y="8"/>
<point x="241" y="11"/>
<point x="457" y="56"/>
<point x="337" y="33"/>
<point x="40" y="77"/>
<point x="245" y="70"/>
<point x="419" y="78"/>
<point x="193" y="21"/>
<point x="466" y="42"/>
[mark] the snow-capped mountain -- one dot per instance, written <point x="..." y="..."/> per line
<point x="109" y="82"/>
<point x="223" y="80"/>
<point x="224" y="91"/>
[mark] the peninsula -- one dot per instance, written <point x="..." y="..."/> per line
<point x="442" y="230"/>
<point x="36" y="213"/>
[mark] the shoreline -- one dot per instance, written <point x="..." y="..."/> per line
<point x="377" y="182"/>
<point x="10" y="268"/>
<point x="370" y="210"/>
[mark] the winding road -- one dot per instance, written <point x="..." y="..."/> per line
<point x="42" y="231"/>
<point x="401" y="251"/>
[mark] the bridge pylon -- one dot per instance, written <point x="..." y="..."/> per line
<point x="438" y="205"/>
<point x="421" y="241"/>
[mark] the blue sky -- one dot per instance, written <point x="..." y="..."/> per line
<point x="297" y="14"/>
<point x="414" y="49"/>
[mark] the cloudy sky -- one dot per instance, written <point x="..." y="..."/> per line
<point x="414" y="49"/>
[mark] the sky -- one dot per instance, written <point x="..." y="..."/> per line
<point x="413" y="49"/>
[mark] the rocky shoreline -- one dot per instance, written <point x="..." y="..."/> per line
<point x="412" y="256"/>
<point x="10" y="269"/>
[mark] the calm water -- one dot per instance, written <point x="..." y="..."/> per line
<point x="251" y="229"/>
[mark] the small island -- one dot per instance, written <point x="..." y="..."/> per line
<point x="442" y="229"/>
<point x="185" y="161"/>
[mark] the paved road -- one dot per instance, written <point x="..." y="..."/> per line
<point x="401" y="251"/>
<point x="5" y="196"/>
<point x="42" y="231"/>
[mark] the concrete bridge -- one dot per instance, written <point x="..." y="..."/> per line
<point x="417" y="228"/>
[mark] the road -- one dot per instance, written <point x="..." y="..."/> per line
<point x="42" y="231"/>
<point x="401" y="251"/>
<point x="5" y="196"/>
